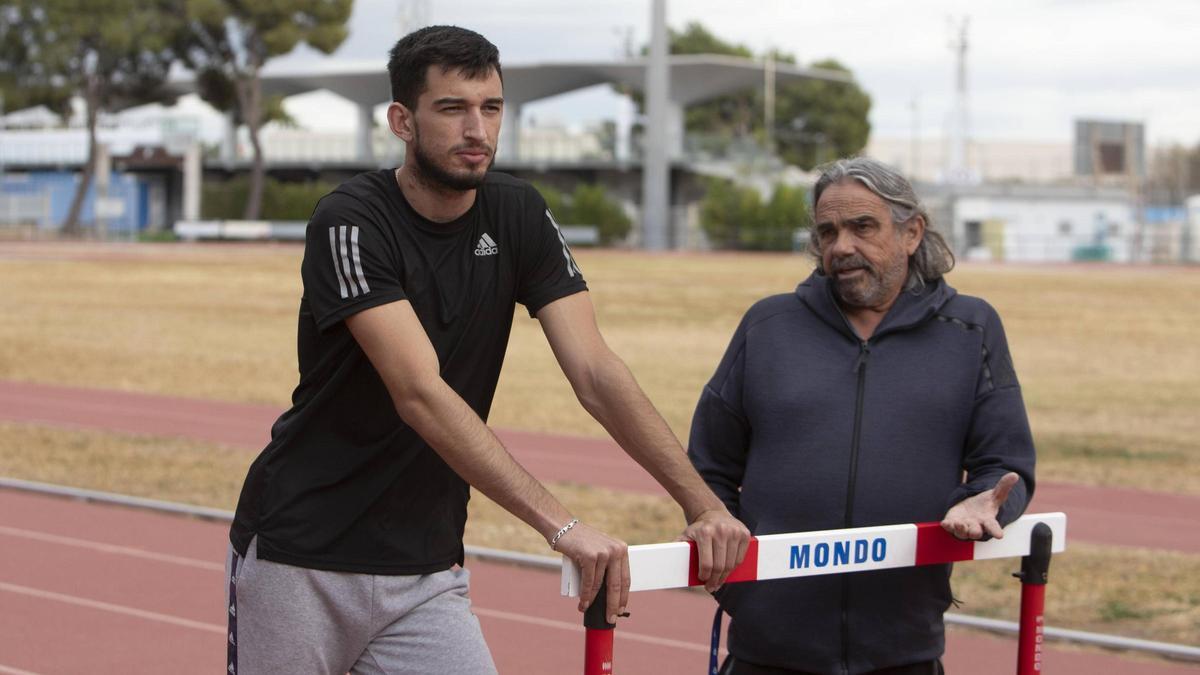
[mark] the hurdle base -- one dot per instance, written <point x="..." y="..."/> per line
<point x="1034" y="575"/>
<point x="598" y="651"/>
<point x="599" y="634"/>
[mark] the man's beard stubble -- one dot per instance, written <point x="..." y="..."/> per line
<point x="874" y="287"/>
<point x="433" y="173"/>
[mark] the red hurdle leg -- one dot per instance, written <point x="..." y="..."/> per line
<point x="598" y="645"/>
<point x="1035" y="569"/>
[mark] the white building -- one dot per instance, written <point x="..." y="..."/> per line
<point x="1025" y="223"/>
<point x="991" y="161"/>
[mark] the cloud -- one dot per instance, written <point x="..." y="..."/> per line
<point x="1033" y="65"/>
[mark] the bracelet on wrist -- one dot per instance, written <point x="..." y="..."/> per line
<point x="558" y="535"/>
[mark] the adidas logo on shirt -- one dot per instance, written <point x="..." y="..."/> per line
<point x="486" y="246"/>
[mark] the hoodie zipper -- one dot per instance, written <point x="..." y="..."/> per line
<point x="860" y="368"/>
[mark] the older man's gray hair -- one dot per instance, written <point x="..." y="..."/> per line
<point x="933" y="257"/>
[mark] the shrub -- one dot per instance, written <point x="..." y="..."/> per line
<point x="591" y="205"/>
<point x="281" y="201"/>
<point x="735" y="217"/>
<point x="588" y="204"/>
<point x="556" y="201"/>
<point x="727" y="210"/>
<point x="785" y="212"/>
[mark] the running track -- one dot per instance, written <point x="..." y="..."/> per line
<point x="89" y="588"/>
<point x="1113" y="516"/>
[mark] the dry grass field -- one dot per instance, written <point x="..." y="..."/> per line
<point x="1106" y="355"/>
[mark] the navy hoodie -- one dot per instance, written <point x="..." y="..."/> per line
<point x="806" y="427"/>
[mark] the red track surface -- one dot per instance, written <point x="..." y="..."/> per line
<point x="1114" y="516"/>
<point x="95" y="589"/>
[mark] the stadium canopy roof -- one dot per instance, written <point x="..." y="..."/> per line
<point x="694" y="78"/>
<point x="37" y="117"/>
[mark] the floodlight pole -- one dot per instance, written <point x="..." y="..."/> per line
<point x="656" y="168"/>
<point x="1035" y="569"/>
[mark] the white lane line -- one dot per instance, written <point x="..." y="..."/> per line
<point x="213" y="628"/>
<point x="577" y="628"/>
<point x="9" y="670"/>
<point x="218" y="567"/>
<point x="112" y="548"/>
<point x="110" y="607"/>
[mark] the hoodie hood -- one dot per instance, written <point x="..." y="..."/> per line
<point x="910" y="309"/>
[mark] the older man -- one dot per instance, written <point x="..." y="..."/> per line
<point x="861" y="399"/>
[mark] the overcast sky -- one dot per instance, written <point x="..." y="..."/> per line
<point x="1033" y="65"/>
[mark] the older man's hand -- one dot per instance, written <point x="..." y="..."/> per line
<point x="973" y="516"/>
<point x="721" y="543"/>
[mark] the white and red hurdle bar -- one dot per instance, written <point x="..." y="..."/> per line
<point x="801" y="554"/>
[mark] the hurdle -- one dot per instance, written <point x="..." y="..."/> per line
<point x="1032" y="537"/>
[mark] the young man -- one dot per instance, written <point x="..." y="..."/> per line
<point x="348" y="537"/>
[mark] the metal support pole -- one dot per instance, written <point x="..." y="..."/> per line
<point x="598" y="645"/>
<point x="656" y="166"/>
<point x="1034" y="574"/>
<point x="364" y="150"/>
<point x="508" y="148"/>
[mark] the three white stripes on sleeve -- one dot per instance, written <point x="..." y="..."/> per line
<point x="347" y="263"/>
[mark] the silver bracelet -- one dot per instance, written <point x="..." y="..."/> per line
<point x="558" y="535"/>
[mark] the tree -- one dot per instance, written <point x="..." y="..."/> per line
<point x="819" y="121"/>
<point x="24" y="79"/>
<point x="112" y="53"/>
<point x="815" y="120"/>
<point x="727" y="116"/>
<point x="229" y="41"/>
<point x="724" y="116"/>
<point x="1173" y="175"/>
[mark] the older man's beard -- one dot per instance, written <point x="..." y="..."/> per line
<point x="873" y="288"/>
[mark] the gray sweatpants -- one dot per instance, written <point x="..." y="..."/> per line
<point x="287" y="619"/>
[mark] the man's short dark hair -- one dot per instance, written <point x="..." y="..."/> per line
<point x="450" y="47"/>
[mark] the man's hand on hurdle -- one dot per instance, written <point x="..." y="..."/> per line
<point x="973" y="516"/>
<point x="721" y="543"/>
<point x="600" y="558"/>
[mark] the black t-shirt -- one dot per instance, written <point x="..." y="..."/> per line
<point x="344" y="483"/>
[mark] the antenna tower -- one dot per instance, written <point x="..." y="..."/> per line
<point x="411" y="15"/>
<point x="957" y="170"/>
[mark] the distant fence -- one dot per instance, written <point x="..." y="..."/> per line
<point x="245" y="230"/>
<point x="1160" y="243"/>
<point x="24" y="209"/>
<point x="293" y="230"/>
